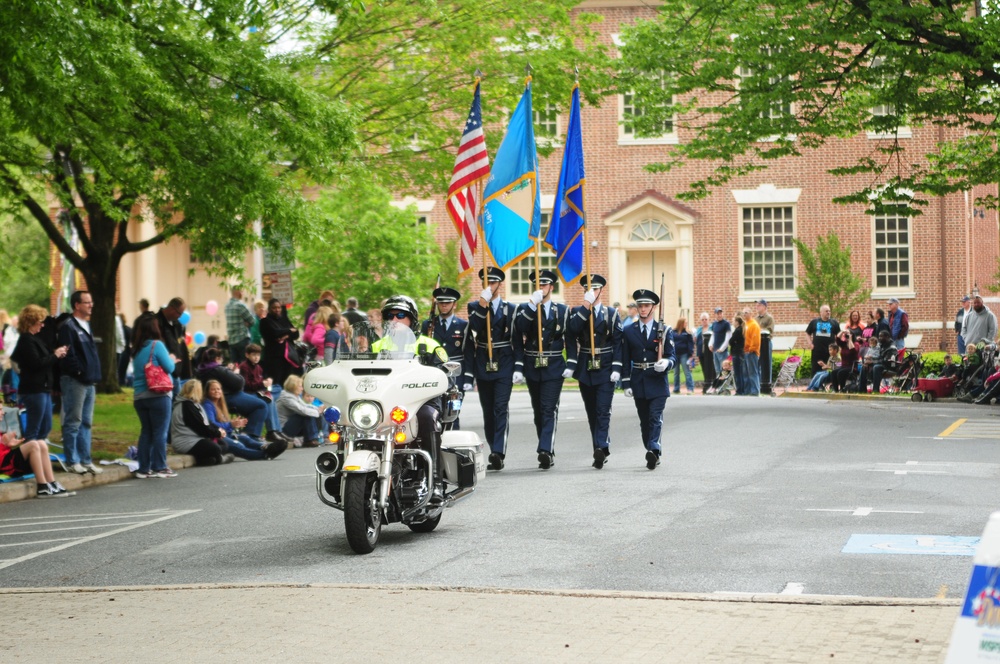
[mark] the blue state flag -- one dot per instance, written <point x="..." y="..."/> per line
<point x="512" y="213"/>
<point x="566" y="230"/>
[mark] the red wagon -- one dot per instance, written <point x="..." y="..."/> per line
<point x="929" y="389"/>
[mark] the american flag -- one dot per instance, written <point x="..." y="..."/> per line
<point x="472" y="164"/>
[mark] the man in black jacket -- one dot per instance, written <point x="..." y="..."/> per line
<point x="173" y="333"/>
<point x="81" y="371"/>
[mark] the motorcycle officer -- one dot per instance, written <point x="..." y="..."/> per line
<point x="495" y="355"/>
<point x="450" y="331"/>
<point x="544" y="368"/>
<point x="646" y="378"/>
<point x="402" y="310"/>
<point x="600" y="371"/>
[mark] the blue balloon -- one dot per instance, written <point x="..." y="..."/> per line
<point x="199" y="338"/>
<point x="185" y="318"/>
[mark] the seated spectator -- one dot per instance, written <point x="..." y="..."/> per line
<point x="199" y="354"/>
<point x="827" y="367"/>
<point x="850" y="347"/>
<point x="296" y="416"/>
<point x="190" y="431"/>
<point x="256" y="385"/>
<point x="722" y="376"/>
<point x="885" y="362"/>
<point x="252" y="407"/>
<point x="950" y="369"/>
<point x="19" y="457"/>
<point x="239" y="444"/>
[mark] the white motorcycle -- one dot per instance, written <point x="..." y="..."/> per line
<point x="378" y="473"/>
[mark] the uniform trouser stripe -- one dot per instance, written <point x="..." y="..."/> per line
<point x="494" y="397"/>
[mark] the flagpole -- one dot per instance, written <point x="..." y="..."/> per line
<point x="538" y="259"/>
<point x="486" y="274"/>
<point x="586" y="244"/>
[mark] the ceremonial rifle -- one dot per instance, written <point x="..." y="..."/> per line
<point x="662" y="332"/>
<point x="434" y="308"/>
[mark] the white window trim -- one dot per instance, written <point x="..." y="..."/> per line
<point x="423" y="206"/>
<point x="907" y="293"/>
<point x="784" y="295"/>
<point x="901" y="132"/>
<point x="766" y="194"/>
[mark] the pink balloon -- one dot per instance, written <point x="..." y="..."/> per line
<point x="211" y="307"/>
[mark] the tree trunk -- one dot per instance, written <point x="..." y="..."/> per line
<point x="102" y="324"/>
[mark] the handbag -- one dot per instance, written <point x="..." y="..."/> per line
<point x="157" y="379"/>
<point x="292" y="355"/>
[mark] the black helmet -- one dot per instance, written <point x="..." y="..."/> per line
<point x="404" y="304"/>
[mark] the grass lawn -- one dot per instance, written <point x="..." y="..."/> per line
<point x="116" y="425"/>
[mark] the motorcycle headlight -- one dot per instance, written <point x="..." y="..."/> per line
<point x="365" y="415"/>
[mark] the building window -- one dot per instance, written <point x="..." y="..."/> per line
<point x="880" y="112"/>
<point x="892" y="252"/>
<point x="634" y="106"/>
<point x="546" y="121"/>
<point x="768" y="251"/>
<point x="651" y="230"/>
<point x="518" y="284"/>
<point x="748" y="83"/>
<point x="422" y="222"/>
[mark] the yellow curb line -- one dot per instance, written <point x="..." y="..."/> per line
<point x="950" y="430"/>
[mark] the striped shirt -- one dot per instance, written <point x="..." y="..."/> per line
<point x="239" y="318"/>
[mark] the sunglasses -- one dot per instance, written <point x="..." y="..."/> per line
<point x="399" y="314"/>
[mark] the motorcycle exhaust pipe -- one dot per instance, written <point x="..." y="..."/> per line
<point x="327" y="464"/>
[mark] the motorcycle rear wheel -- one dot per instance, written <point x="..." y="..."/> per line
<point x="362" y="516"/>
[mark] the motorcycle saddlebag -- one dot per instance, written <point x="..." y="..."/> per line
<point x="463" y="458"/>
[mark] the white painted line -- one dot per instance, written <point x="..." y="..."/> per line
<point x="862" y="511"/>
<point x="36" y="554"/>
<point x="60" y="539"/>
<point x="83" y="516"/>
<point x="48" y="522"/>
<point x="793" y="589"/>
<point x="58" y="530"/>
<point x="908" y="472"/>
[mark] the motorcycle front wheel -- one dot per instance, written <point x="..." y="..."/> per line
<point x="362" y="517"/>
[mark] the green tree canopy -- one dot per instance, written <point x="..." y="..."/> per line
<point x="827" y="277"/>
<point x="754" y="82"/>
<point x="24" y="264"/>
<point x="168" y="108"/>
<point x="369" y="249"/>
<point x="405" y="70"/>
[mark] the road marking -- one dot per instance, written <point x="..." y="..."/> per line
<point x="860" y="511"/>
<point x="86" y="516"/>
<point x="58" y="539"/>
<point x="950" y="430"/>
<point x="932" y="545"/>
<point x="82" y="540"/>
<point x="48" y="521"/>
<point x="907" y="472"/>
<point x="793" y="589"/>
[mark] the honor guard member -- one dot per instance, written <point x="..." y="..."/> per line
<point x="450" y="331"/>
<point x="598" y="372"/>
<point x="544" y="368"/>
<point x="646" y="378"/>
<point x="495" y="355"/>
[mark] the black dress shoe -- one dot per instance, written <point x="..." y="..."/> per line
<point x="276" y="436"/>
<point x="601" y="455"/>
<point x="496" y="462"/>
<point x="652" y="459"/>
<point x="545" y="460"/>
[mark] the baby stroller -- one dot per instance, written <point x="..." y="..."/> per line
<point x="975" y="369"/>
<point x="787" y="374"/>
<point x="724" y="383"/>
<point x="906" y="372"/>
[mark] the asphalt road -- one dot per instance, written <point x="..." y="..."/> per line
<point x="754" y="496"/>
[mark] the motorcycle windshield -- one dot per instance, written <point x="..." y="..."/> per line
<point x="391" y="341"/>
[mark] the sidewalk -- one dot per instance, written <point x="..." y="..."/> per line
<point x="326" y="623"/>
<point x="24" y="489"/>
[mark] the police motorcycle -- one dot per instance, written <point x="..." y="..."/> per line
<point x="378" y="473"/>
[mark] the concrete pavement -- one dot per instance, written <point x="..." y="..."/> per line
<point x="313" y="623"/>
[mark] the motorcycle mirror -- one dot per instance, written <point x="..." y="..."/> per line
<point x="453" y="369"/>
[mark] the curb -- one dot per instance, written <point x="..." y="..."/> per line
<point x="840" y="396"/>
<point x="25" y="489"/>
<point x="747" y="598"/>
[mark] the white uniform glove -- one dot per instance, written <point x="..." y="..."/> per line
<point x="518" y="377"/>
<point x="590" y="296"/>
<point x="615" y="376"/>
<point x="628" y="392"/>
<point x="467" y="387"/>
<point x="567" y="373"/>
<point x="487" y="294"/>
<point x="536" y="298"/>
<point x="662" y="365"/>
